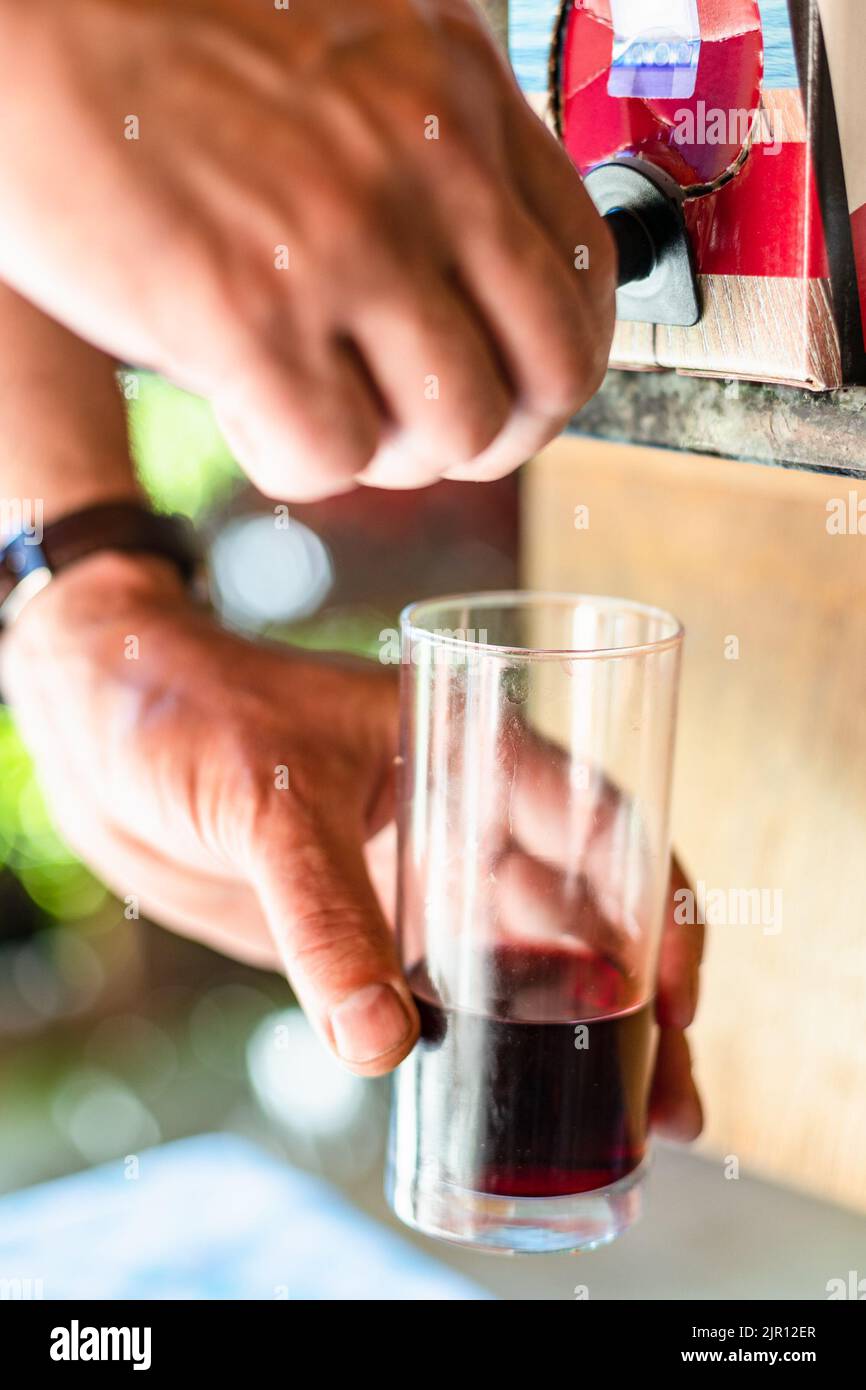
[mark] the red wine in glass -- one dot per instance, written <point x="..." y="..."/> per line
<point x="544" y="1096"/>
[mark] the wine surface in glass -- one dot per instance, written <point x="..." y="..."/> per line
<point x="547" y="1094"/>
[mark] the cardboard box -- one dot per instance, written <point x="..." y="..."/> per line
<point x="756" y="108"/>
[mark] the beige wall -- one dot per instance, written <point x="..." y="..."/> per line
<point x="770" y="788"/>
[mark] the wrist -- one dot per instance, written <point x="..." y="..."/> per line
<point x="116" y="580"/>
<point x="32" y="511"/>
<point x="82" y="620"/>
<point x="29" y="513"/>
<point x="31" y="562"/>
<point x="99" y="590"/>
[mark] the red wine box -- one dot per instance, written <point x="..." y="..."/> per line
<point x="757" y="109"/>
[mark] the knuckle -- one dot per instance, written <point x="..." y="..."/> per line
<point x="253" y="798"/>
<point x="354" y="208"/>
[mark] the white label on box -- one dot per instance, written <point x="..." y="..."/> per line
<point x="656" y="48"/>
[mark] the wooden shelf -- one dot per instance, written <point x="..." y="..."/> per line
<point x="777" y="425"/>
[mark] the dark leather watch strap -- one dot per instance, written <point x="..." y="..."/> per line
<point x="121" y="526"/>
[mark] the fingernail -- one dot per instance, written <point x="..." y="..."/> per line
<point x="370" y="1023"/>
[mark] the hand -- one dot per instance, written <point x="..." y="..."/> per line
<point x="164" y="772"/>
<point x="229" y="788"/>
<point x="430" y="319"/>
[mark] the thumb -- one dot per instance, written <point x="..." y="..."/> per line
<point x="336" y="947"/>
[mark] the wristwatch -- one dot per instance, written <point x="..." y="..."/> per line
<point x="29" y="561"/>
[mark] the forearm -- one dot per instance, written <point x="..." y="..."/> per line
<point x="63" y="438"/>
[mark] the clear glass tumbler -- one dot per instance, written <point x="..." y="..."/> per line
<point x="537" y="743"/>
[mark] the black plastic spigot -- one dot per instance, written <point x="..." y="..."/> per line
<point x="637" y="254"/>
<point x="657" y="281"/>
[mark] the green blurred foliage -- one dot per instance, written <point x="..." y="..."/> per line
<point x="30" y="847"/>
<point x="353" y="630"/>
<point x="181" y="457"/>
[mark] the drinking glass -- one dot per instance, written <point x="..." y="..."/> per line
<point x="535" y="770"/>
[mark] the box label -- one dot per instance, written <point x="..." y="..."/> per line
<point x="656" y="48"/>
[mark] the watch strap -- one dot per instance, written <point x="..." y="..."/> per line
<point x="29" y="560"/>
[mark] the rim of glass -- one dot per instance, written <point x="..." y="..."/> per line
<point x="412" y="622"/>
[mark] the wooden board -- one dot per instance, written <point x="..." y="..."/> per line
<point x="770" y="789"/>
<point x="747" y="317"/>
<point x="781" y="426"/>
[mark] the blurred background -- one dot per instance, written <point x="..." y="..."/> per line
<point x="116" y="1036"/>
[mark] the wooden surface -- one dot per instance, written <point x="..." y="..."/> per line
<point x="757" y="329"/>
<point x="770" y="789"/>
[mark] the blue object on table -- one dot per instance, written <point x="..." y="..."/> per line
<point x="210" y="1218"/>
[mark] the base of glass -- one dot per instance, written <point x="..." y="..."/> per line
<point x="518" y="1225"/>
